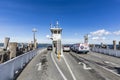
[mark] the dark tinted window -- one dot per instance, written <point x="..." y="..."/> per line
<point x="55" y="32"/>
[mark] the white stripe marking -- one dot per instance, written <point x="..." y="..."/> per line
<point x="112" y="63"/>
<point x="110" y="71"/>
<point x="69" y="68"/>
<point x="80" y="63"/>
<point x="85" y="67"/>
<point x="39" y="66"/>
<point x="106" y="62"/>
<point x="58" y="68"/>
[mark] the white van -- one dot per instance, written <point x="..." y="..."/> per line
<point x="81" y="47"/>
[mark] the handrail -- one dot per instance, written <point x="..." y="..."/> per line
<point x="107" y="51"/>
<point x="10" y="68"/>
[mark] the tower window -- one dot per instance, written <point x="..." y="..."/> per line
<point x="55" y="32"/>
<point x="58" y="32"/>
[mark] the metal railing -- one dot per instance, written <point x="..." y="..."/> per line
<point x="107" y="51"/>
<point x="13" y="66"/>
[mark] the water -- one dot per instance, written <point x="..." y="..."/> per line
<point x="39" y="45"/>
<point x="43" y="45"/>
<point x="109" y="45"/>
<point x="1" y="44"/>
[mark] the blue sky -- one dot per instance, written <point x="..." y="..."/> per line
<point x="98" y="18"/>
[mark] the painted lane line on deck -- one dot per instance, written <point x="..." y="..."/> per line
<point x="85" y="67"/>
<point x="112" y="63"/>
<point x="110" y="71"/>
<point x="58" y="68"/>
<point x="69" y="68"/>
<point x="79" y="62"/>
<point x="39" y="66"/>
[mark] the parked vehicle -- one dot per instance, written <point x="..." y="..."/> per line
<point x="49" y="48"/>
<point x="80" y="47"/>
<point x="72" y="48"/>
<point x="66" y="48"/>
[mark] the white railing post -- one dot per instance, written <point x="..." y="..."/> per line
<point x="107" y="51"/>
<point x="12" y="71"/>
<point x="26" y="58"/>
<point x="22" y="63"/>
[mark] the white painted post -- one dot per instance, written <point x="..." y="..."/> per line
<point x="12" y="71"/>
<point x="22" y="63"/>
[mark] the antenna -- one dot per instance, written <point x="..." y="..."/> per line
<point x="50" y="25"/>
<point x="57" y="24"/>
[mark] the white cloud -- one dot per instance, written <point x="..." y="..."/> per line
<point x="117" y="32"/>
<point x="89" y="36"/>
<point x="101" y="32"/>
<point x="98" y="38"/>
<point x="95" y="38"/>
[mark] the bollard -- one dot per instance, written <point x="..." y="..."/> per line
<point x="58" y="56"/>
<point x="30" y="46"/>
<point x="114" y="44"/>
<point x="6" y="42"/>
<point x="26" y="49"/>
<point x="1" y="58"/>
<point x="12" y="49"/>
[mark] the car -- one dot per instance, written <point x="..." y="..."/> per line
<point x="72" y="47"/>
<point x="66" y="48"/>
<point x="49" y="48"/>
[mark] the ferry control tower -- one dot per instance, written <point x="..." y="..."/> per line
<point x="56" y="39"/>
